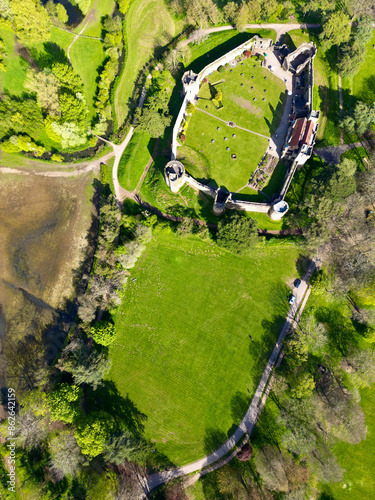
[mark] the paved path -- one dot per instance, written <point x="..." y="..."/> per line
<point x="332" y="154"/>
<point x="235" y="125"/>
<point x="249" y="420"/>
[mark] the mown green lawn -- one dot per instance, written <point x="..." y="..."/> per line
<point x="134" y="160"/>
<point x="13" y="78"/>
<point x="362" y="85"/>
<point x="206" y="160"/>
<point x="148" y="24"/>
<point x="358" y="460"/>
<point x="238" y="97"/>
<point x="87" y="56"/>
<point x="102" y="8"/>
<point x="183" y="352"/>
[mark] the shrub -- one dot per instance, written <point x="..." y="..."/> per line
<point x="57" y="157"/>
<point x="103" y="332"/>
<point x="247" y="54"/>
<point x="183" y="137"/>
<point x="205" y="80"/>
<point x="221" y="69"/>
<point x="9" y="147"/>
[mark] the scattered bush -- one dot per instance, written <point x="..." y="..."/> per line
<point x="103" y="332"/>
<point x="221" y="69"/>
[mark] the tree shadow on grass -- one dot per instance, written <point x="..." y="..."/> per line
<point x="213" y="439"/>
<point x="123" y="410"/>
<point x="51" y="54"/>
<point x="266" y="430"/>
<point x="341" y="332"/>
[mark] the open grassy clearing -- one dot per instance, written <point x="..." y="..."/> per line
<point x="43" y="227"/>
<point x="13" y="78"/>
<point x="148" y="25"/>
<point x="87" y="56"/>
<point x="134" y="160"/>
<point x="358" y="460"/>
<point x="362" y="85"/>
<point x="207" y="160"/>
<point x="325" y="94"/>
<point x="183" y="352"/>
<point x="99" y="8"/>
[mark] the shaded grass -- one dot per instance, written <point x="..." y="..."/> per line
<point x="183" y="352"/>
<point x="149" y="25"/>
<point x="358" y="460"/>
<point x="134" y="160"/>
<point x="218" y="44"/>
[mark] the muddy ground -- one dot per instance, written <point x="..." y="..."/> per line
<point x="44" y="226"/>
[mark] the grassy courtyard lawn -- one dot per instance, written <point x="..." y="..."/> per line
<point x="148" y="24"/>
<point x="183" y="352"/>
<point x="87" y="55"/>
<point x="134" y="160"/>
<point x="206" y="160"/>
<point x="239" y="105"/>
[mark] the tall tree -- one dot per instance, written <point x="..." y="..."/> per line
<point x="31" y="21"/>
<point x="237" y="233"/>
<point x="336" y="29"/>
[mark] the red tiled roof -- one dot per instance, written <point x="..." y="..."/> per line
<point x="298" y="131"/>
<point x="308" y="133"/>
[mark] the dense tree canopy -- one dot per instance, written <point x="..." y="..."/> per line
<point x="92" y="432"/>
<point x="31" y="21"/>
<point x="103" y="332"/>
<point x="64" y="403"/>
<point x="237" y="233"/>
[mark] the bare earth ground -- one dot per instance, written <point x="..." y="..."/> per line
<point x="43" y="227"/>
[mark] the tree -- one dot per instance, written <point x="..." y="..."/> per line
<point x="5" y="10"/>
<point x="92" y="432"/>
<point x="86" y="367"/>
<point x="66" y="456"/>
<point x="31" y="430"/>
<point x="46" y="86"/>
<point x="31" y="21"/>
<point x="336" y="29"/>
<point x="61" y="13"/>
<point x="73" y="107"/>
<point x="71" y="135"/>
<point x="359" y="119"/>
<point x="313" y="334"/>
<point x="103" y="332"/>
<point x="123" y="5"/>
<point x="83" y="5"/>
<point x="124" y="447"/>
<point x="64" y="403"/>
<point x="67" y="77"/>
<point x="361" y="366"/>
<point x="202" y="13"/>
<point x="154" y="118"/>
<point x="237" y="233"/>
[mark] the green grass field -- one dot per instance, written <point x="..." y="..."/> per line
<point x="134" y="160"/>
<point x="148" y="25"/>
<point x="87" y="56"/>
<point x="183" y="352"/>
<point x="358" y="460"/>
<point x="13" y="78"/>
<point x="362" y="85"/>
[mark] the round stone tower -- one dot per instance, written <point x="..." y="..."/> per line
<point x="174" y="173"/>
<point x="278" y="210"/>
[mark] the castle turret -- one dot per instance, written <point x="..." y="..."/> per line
<point x="174" y="173"/>
<point x="278" y="210"/>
